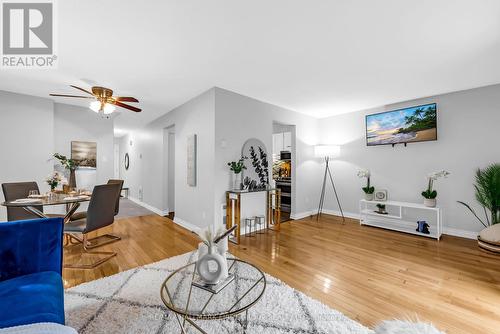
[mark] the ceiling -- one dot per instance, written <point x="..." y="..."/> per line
<point x="320" y="58"/>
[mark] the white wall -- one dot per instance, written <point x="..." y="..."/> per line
<point x="27" y="140"/>
<point x="215" y="116"/>
<point x="33" y="128"/>
<point x="238" y="118"/>
<point x="467" y="139"/>
<point x="148" y="170"/>
<point x="72" y="123"/>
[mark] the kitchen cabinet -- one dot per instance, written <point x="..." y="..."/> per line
<point x="282" y="142"/>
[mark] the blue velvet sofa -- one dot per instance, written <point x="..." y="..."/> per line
<point x="31" y="287"/>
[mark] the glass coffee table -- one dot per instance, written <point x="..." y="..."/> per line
<point x="189" y="302"/>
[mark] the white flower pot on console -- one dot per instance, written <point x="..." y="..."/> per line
<point x="430" y="202"/>
<point x="237" y="181"/>
<point x="369" y="197"/>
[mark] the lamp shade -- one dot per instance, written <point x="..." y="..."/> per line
<point x="322" y="151"/>
<point x="95" y="106"/>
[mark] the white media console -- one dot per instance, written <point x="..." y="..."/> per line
<point x="402" y="217"/>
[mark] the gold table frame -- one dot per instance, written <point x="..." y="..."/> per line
<point x="183" y="315"/>
<point x="233" y="210"/>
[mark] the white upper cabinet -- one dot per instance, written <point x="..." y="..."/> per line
<point x="287" y="141"/>
<point x="277" y="143"/>
<point x="282" y="142"/>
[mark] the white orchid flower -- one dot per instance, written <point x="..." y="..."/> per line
<point x="363" y="173"/>
<point x="435" y="175"/>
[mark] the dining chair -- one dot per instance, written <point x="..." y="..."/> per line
<point x="17" y="190"/>
<point x="101" y="213"/>
<point x="108" y="237"/>
<point x="83" y="214"/>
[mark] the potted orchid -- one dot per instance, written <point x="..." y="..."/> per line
<point x="54" y="179"/>
<point x="430" y="194"/>
<point x="368" y="190"/>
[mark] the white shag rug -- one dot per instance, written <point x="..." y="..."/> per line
<point x="129" y="302"/>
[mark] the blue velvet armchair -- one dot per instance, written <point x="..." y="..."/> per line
<point x="31" y="288"/>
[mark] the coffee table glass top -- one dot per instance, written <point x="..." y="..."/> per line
<point x="180" y="296"/>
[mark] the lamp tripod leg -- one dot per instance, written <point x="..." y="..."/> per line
<point x="322" y="196"/>
<point x="336" y="196"/>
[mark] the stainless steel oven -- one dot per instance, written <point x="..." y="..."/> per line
<point x="285" y="185"/>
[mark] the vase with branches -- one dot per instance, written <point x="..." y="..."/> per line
<point x="265" y="165"/>
<point x="369" y="189"/>
<point x="259" y="162"/>
<point x="487" y="193"/>
<point x="430" y="194"/>
<point x="70" y="165"/>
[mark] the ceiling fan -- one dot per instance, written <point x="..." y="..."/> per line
<point x="104" y="102"/>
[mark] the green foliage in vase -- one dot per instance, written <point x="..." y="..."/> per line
<point x="368" y="190"/>
<point x="237" y="166"/>
<point x="69" y="164"/>
<point x="429" y="194"/>
<point x="487" y="194"/>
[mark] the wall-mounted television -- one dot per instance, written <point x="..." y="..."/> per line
<point x="408" y="125"/>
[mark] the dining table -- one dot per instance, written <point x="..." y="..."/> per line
<point x="32" y="205"/>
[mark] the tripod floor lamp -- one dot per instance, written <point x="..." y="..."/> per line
<point x="327" y="152"/>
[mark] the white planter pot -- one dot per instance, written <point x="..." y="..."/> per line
<point x="368" y="197"/>
<point x="430" y="202"/>
<point x="237" y="181"/>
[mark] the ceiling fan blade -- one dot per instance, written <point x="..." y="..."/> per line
<point x="81" y="97"/>
<point x="126" y="106"/>
<point x="126" y="99"/>
<point x="83" y="90"/>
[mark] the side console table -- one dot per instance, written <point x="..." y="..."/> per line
<point x="233" y="210"/>
<point x="402" y="217"/>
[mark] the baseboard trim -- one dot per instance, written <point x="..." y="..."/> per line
<point x="187" y="225"/>
<point x="300" y="215"/>
<point x="446" y="230"/>
<point x="460" y="233"/>
<point x="305" y="214"/>
<point x="149" y="207"/>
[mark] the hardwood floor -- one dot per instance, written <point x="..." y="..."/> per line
<point x="145" y="240"/>
<point x="366" y="273"/>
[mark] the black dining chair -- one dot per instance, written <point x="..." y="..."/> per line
<point x="83" y="214"/>
<point x="108" y="237"/>
<point x="101" y="213"/>
<point x="17" y="190"/>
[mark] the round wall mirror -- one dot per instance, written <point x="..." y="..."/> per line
<point x="127" y="161"/>
<point x="257" y="163"/>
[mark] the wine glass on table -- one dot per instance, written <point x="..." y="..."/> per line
<point x="33" y="193"/>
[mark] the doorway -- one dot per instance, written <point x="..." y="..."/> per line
<point x="284" y="166"/>
<point x="169" y="171"/>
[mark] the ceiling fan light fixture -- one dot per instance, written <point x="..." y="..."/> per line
<point x="108" y="108"/>
<point x="103" y="100"/>
<point x="95" y="106"/>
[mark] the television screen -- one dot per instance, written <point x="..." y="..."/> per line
<point x="407" y="125"/>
